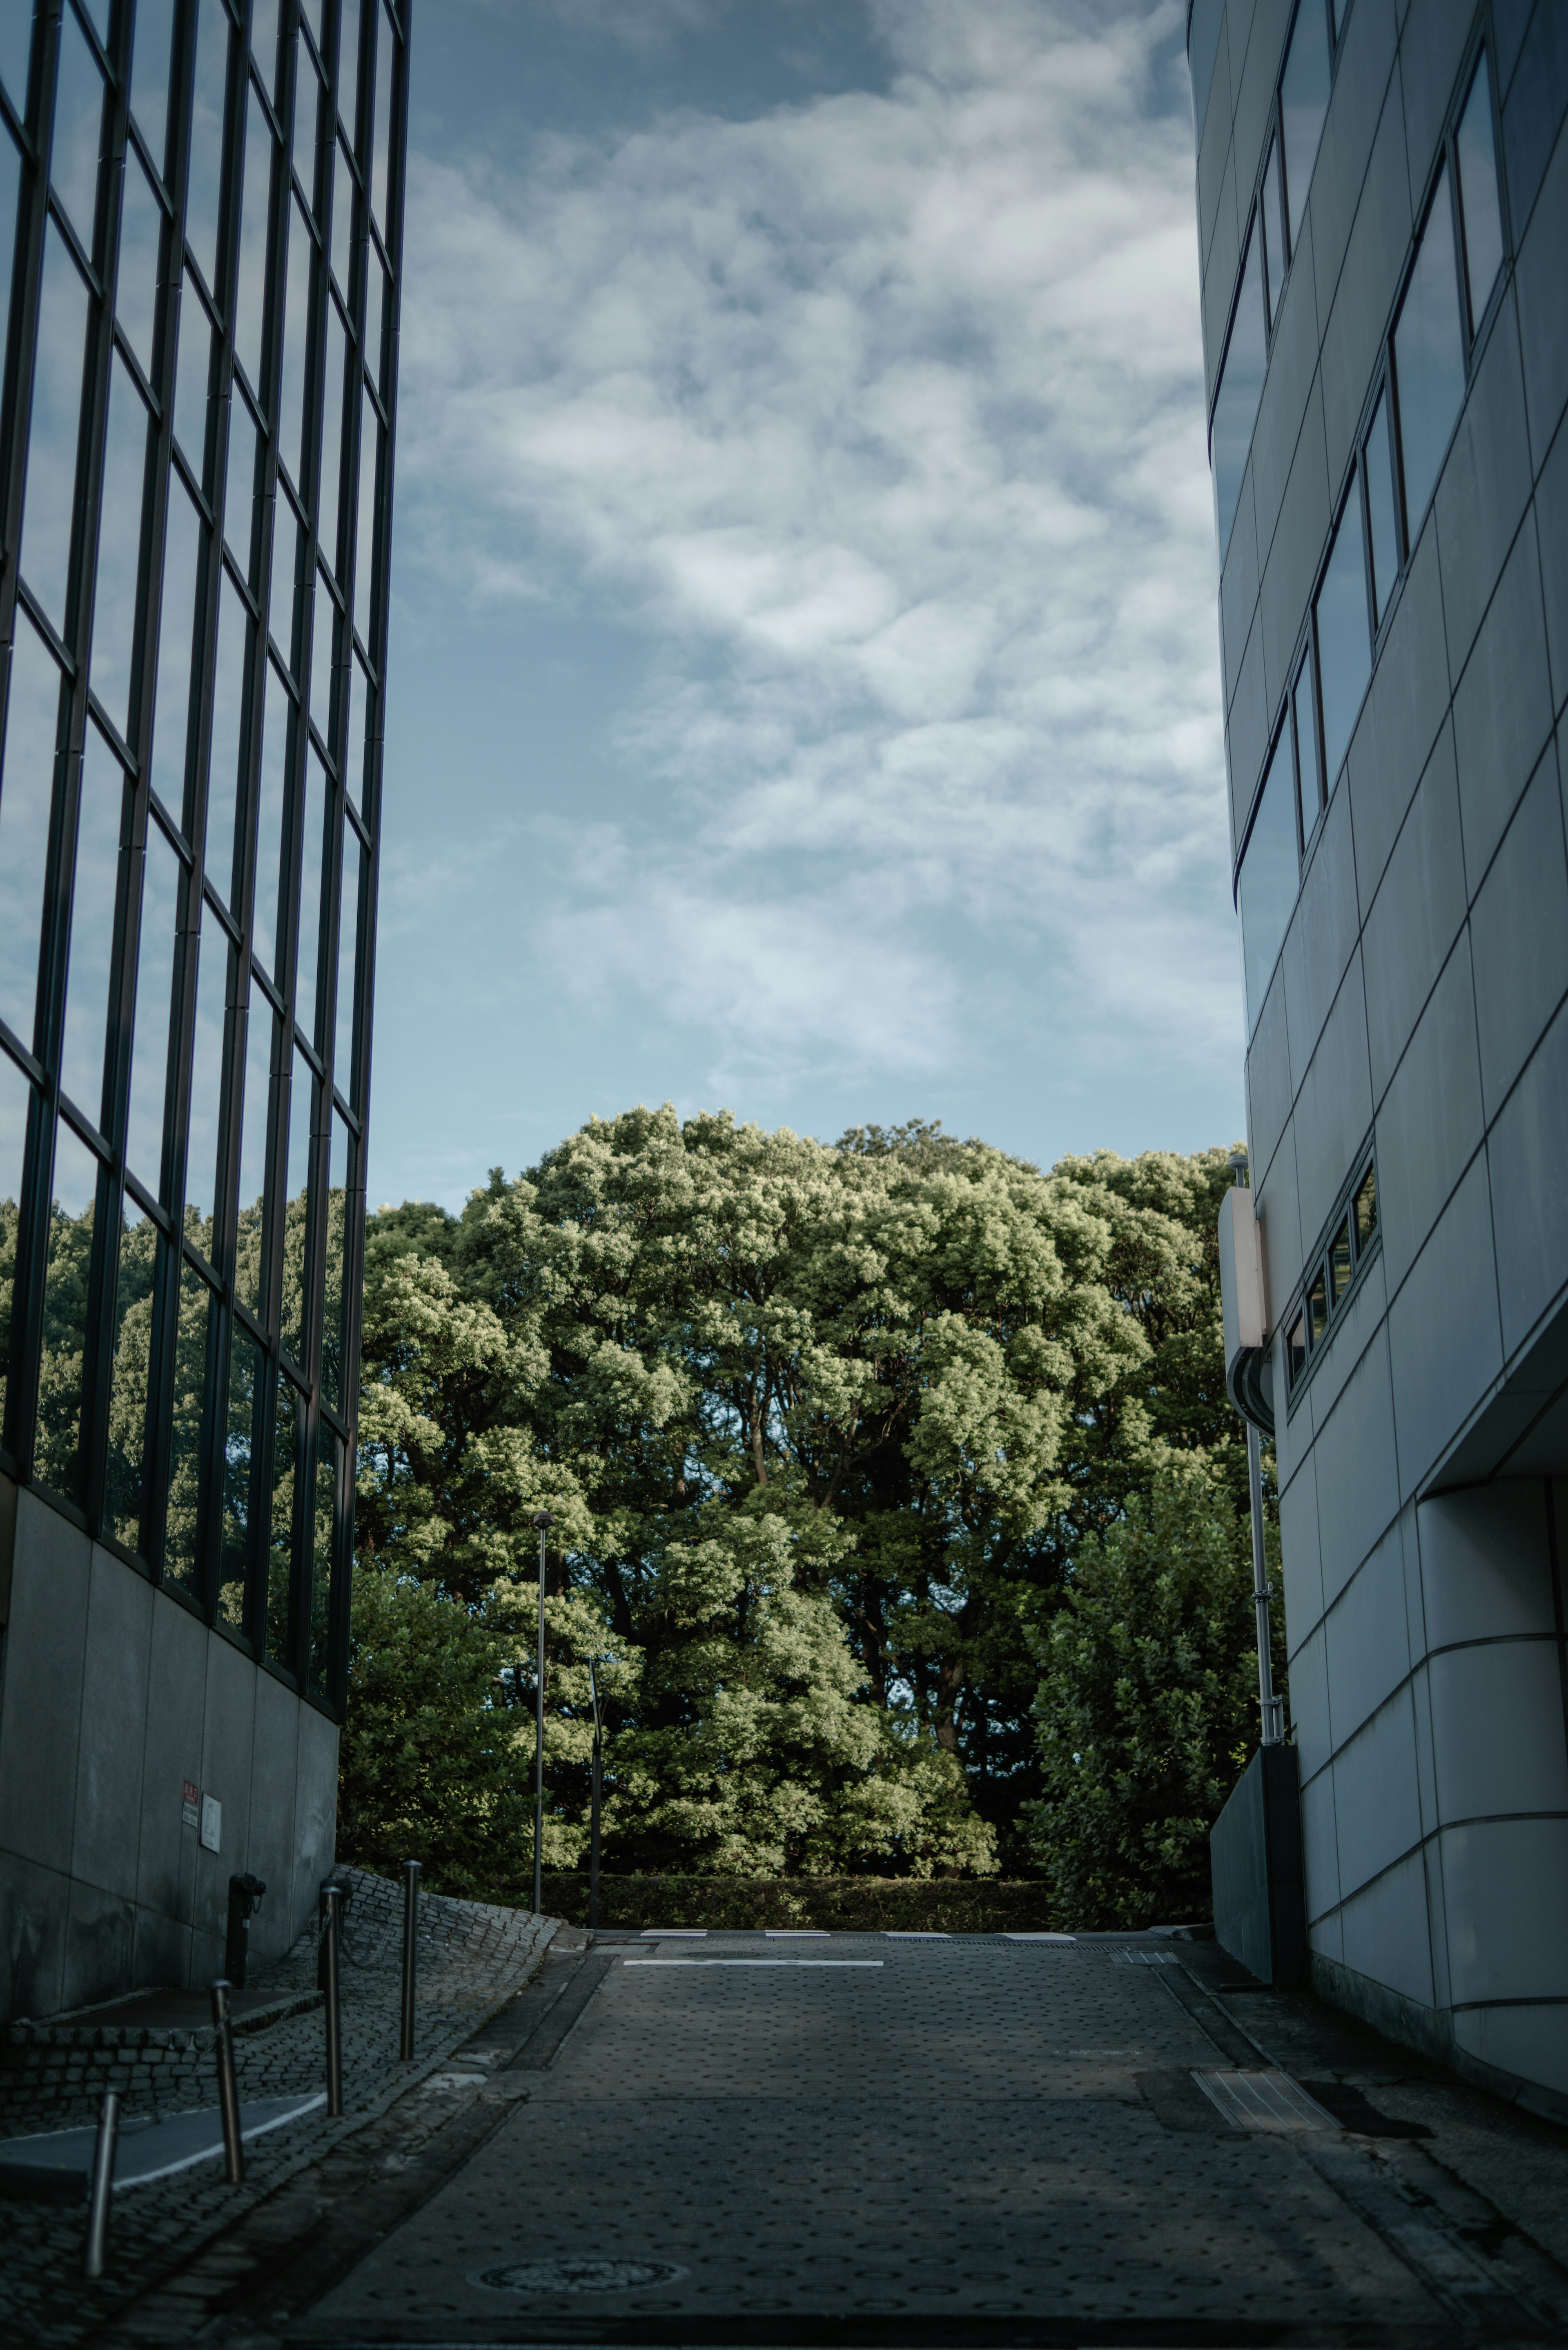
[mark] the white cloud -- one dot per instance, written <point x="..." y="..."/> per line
<point x="884" y="415"/>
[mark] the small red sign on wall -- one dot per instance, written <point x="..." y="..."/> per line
<point x="190" y="1792"/>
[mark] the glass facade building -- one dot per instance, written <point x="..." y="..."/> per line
<point x="200" y="217"/>
<point x="1382" y="211"/>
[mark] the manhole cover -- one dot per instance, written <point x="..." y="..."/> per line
<point x="577" y="2276"/>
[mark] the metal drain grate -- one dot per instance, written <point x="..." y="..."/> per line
<point x="577" y="2276"/>
<point x="1143" y="1959"/>
<point x="1264" y="2100"/>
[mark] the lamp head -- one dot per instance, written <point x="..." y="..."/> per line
<point x="542" y="1519"/>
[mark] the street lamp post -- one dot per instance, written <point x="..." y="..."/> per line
<point x="593" y="1808"/>
<point x="543" y="1522"/>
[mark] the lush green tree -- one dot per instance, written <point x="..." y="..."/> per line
<point x="823" y="1429"/>
<point x="1148" y="1704"/>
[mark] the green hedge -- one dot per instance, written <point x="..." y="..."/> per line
<point x="865" y="1904"/>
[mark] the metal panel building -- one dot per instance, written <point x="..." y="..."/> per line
<point x="201" y="226"/>
<point x="1382" y="214"/>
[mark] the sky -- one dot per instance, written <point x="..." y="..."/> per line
<point x="804" y="681"/>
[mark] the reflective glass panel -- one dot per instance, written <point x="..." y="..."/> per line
<point x="79" y="129"/>
<point x="16" y="1094"/>
<point x="1270" y="873"/>
<point x="1203" y="48"/>
<point x="354" y="762"/>
<point x="306" y="125"/>
<point x="317" y="831"/>
<point x="1240" y="386"/>
<point x="155" y="1007"/>
<point x="26" y="797"/>
<point x="119" y="545"/>
<point x="324" y="625"/>
<point x="334" y="1299"/>
<point x="270" y="835"/>
<point x="125" y="1467"/>
<point x="10" y="184"/>
<point x="342" y="219"/>
<point x="1343" y="639"/>
<point x="263" y="40"/>
<point x="206" y="1082"/>
<point x="246" y="1388"/>
<point x="1308" y="774"/>
<point x="1477" y="193"/>
<point x="1296" y="1349"/>
<point x="296" y="337"/>
<point x="288" y="559"/>
<point x="207" y="137"/>
<point x="365" y="550"/>
<point x="331" y="438"/>
<point x="280" y="1518"/>
<point x="60" y="1369"/>
<point x="295" y="1300"/>
<point x="223" y="858"/>
<point x="192" y="379"/>
<point x="253" y="1148"/>
<point x="52" y="435"/>
<point x="349" y="66"/>
<point x="1304" y="104"/>
<point x="1428" y="360"/>
<point x="16" y="43"/>
<point x="1317" y="1307"/>
<point x="176" y="634"/>
<point x="381" y="133"/>
<point x="136" y="279"/>
<point x="240" y="498"/>
<point x="348" y="965"/>
<point x="322" y="1548"/>
<point x="1381" y="511"/>
<point x="251" y="297"/>
<point x="1365" y="1209"/>
<point x="375" y="308"/>
<point x="154" y="36"/>
<point x="99" y="819"/>
<point x="1274" y="250"/>
<point x="1339" y="1263"/>
<point x="185" y="1434"/>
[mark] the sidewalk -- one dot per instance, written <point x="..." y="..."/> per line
<point x="471" y="1959"/>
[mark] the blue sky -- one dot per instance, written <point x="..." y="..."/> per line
<point x="804" y="692"/>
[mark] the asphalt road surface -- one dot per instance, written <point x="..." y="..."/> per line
<point x="988" y="2141"/>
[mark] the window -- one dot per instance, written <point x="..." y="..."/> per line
<point x="1276" y="251"/>
<point x="1382" y="510"/>
<point x="1271" y="869"/>
<point x="1344" y="640"/>
<point x="1428" y="357"/>
<point x="1304" y="105"/>
<point x="1308" y="774"/>
<point x="1240" y="388"/>
<point x="1479" y="213"/>
<point x="1203" y="49"/>
<point x="1332" y="1275"/>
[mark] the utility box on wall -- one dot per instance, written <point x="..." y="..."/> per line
<point x="1255" y="1854"/>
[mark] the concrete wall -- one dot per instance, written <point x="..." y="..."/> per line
<point x="1420" y="1002"/>
<point x="112" y="1695"/>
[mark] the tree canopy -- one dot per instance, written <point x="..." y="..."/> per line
<point x="823" y="1430"/>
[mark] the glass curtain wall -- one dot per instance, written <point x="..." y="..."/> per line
<point x="200" y="229"/>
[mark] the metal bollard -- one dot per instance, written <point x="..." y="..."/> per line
<point x="228" y="2087"/>
<point x="332" y="1902"/>
<point x="101" y="2184"/>
<point x="244" y="1892"/>
<point x="410" y="1927"/>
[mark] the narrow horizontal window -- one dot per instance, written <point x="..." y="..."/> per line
<point x="1317" y="1307"/>
<point x="1271" y="872"/>
<point x="1366" y="1210"/>
<point x="1241" y="388"/>
<point x="1341" y="1265"/>
<point x="1343" y="639"/>
<point x="1296" y="1349"/>
<point x="1479" y="206"/>
<point x="1304" y="104"/>
<point x="1276" y="251"/>
<point x="1309" y="769"/>
<point x="1428" y="359"/>
<point x="1381" y="511"/>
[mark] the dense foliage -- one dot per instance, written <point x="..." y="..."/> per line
<point x="830" y="1435"/>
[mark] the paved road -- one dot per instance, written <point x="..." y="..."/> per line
<point x="964" y="2141"/>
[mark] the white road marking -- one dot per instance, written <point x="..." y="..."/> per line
<point x="750" y="1963"/>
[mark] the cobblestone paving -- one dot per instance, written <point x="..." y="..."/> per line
<point x="471" y="1959"/>
<point x="969" y="2134"/>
